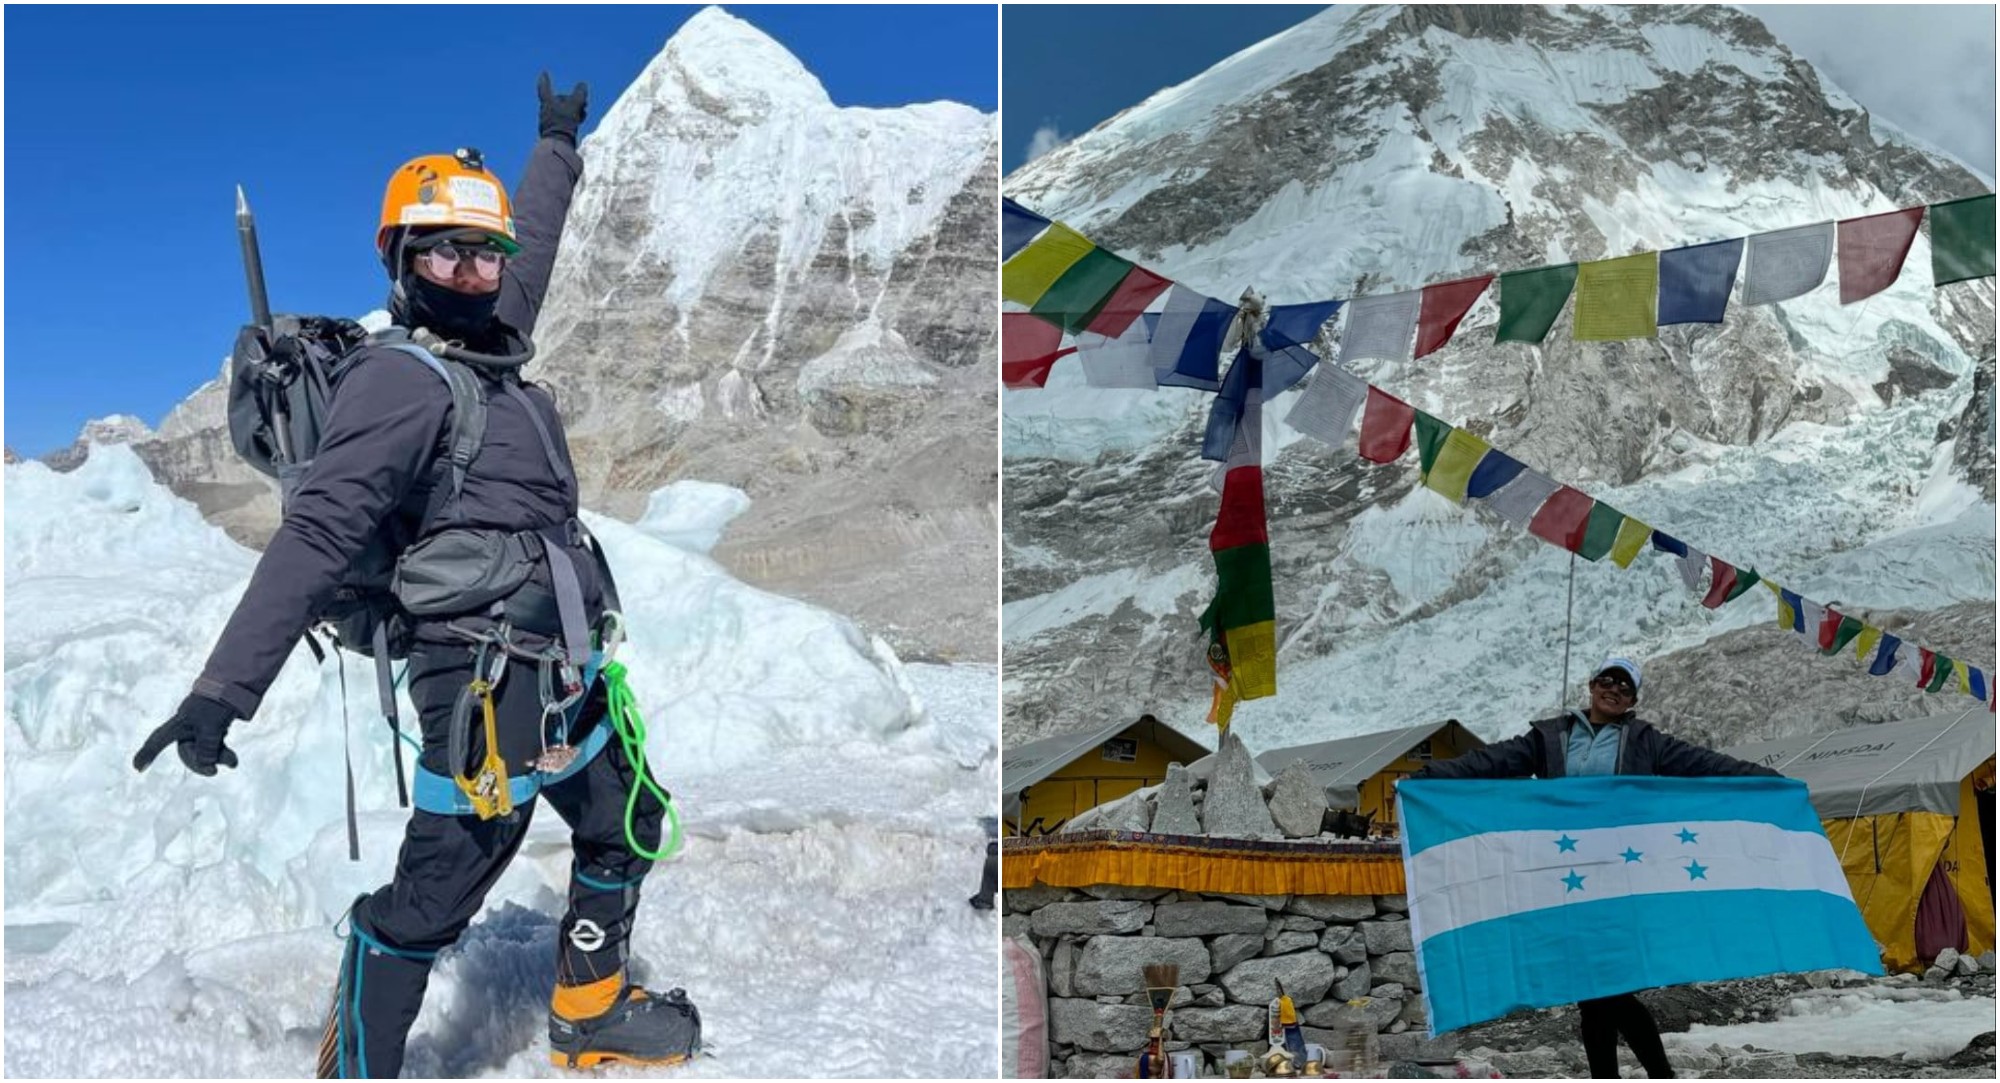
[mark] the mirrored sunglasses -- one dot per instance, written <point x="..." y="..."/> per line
<point x="1614" y="684"/>
<point x="443" y="260"/>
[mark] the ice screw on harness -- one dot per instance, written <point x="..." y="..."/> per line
<point x="623" y="714"/>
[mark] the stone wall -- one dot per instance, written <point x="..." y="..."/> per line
<point x="1340" y="957"/>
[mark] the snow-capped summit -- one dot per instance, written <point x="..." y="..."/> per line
<point x="720" y="62"/>
<point x="1835" y="448"/>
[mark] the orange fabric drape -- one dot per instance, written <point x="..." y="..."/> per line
<point x="1188" y="867"/>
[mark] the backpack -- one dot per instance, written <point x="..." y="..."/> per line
<point x="282" y="385"/>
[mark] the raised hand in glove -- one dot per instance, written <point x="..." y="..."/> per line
<point x="198" y="727"/>
<point x="562" y="114"/>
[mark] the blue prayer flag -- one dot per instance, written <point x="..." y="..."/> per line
<point x="1975" y="683"/>
<point x="1695" y="281"/>
<point x="1667" y="543"/>
<point x="1496" y="468"/>
<point x="1287" y="338"/>
<point x="1885" y="656"/>
<point x="1187" y="340"/>
<point x="1246" y="374"/>
<point x="1798" y="609"/>
<point x="1018" y="226"/>
<point x="1529" y="895"/>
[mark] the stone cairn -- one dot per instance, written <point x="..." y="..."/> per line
<point x="1347" y="961"/>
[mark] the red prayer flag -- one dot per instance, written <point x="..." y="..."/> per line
<point x="1564" y="517"/>
<point x="1385" y="426"/>
<point x="1928" y="671"/>
<point x="1443" y="306"/>
<point x="1241" y="520"/>
<point x="1126" y="302"/>
<point x="1028" y="349"/>
<point x="1829" y="627"/>
<point x="1721" y="584"/>
<point x="1872" y="251"/>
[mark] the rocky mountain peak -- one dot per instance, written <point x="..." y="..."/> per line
<point x="721" y="65"/>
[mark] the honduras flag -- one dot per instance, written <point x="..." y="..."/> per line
<point x="1533" y="894"/>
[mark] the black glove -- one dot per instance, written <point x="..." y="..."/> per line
<point x="199" y="727"/>
<point x="562" y="115"/>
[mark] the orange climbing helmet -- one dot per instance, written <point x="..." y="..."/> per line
<point x="446" y="190"/>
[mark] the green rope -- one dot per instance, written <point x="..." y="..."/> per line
<point x="631" y="730"/>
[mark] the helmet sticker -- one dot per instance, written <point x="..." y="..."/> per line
<point x="475" y="194"/>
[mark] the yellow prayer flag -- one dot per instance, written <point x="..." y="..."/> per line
<point x="1455" y="461"/>
<point x="1959" y="678"/>
<point x="1617" y="298"/>
<point x="1632" y="537"/>
<point x="1786" y="615"/>
<point x="1864" y="644"/>
<point x="1035" y="268"/>
<point x="1253" y="659"/>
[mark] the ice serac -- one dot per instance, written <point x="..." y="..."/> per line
<point x="1844" y="451"/>
<point x="763" y="289"/>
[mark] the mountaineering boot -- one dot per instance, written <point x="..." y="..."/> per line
<point x="609" y="1022"/>
<point x="375" y="1002"/>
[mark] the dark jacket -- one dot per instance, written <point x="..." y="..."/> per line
<point x="1642" y="750"/>
<point x="377" y="456"/>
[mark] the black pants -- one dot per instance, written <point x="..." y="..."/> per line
<point x="1605" y="1019"/>
<point x="449" y="863"/>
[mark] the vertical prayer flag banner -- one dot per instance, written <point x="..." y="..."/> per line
<point x="1028" y="349"/>
<point x="1563" y="519"/>
<point x="1018" y="226"/>
<point x="1492" y="474"/>
<point x="1695" y="281"/>
<point x="1530" y="301"/>
<point x="1331" y="402"/>
<point x="1431" y="433"/>
<point x="1677" y="880"/>
<point x="1615" y="298"/>
<point x="1385" y="427"/>
<point x="1187" y="342"/>
<point x="1446" y="303"/>
<point x="1128" y="301"/>
<point x="1600" y="531"/>
<point x="1872" y="250"/>
<point x="1632" y="535"/>
<point x="1073" y="300"/>
<point x="1241" y="622"/>
<point x="1521" y="499"/>
<point x="1124" y="362"/>
<point x="1380" y="327"/>
<point x="1451" y="474"/>
<point x="1286" y="342"/>
<point x="1962" y="240"/>
<point x="1024" y="278"/>
<point x="1786" y="263"/>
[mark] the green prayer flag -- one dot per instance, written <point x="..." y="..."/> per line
<point x="1431" y="435"/>
<point x="1601" y="531"/>
<point x="1942" y="673"/>
<point x="1962" y="239"/>
<point x="1075" y="298"/>
<point x="1745" y="579"/>
<point x="1530" y="301"/>
<point x="1843" y="635"/>
<point x="1242" y="589"/>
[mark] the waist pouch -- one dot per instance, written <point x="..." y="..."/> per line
<point x="464" y="571"/>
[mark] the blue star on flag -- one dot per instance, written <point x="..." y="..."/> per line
<point x="1630" y="855"/>
<point x="1686" y="835"/>
<point x="1566" y="844"/>
<point x="1697" y="871"/>
<point x="1574" y="881"/>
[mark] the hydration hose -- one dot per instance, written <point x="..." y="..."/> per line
<point x="623" y="714"/>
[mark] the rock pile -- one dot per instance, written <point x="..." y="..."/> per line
<point x="1343" y="959"/>
<point x="1224" y="799"/>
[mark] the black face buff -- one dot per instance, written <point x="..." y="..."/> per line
<point x="454" y="315"/>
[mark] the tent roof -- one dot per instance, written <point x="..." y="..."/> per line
<point x="1343" y="765"/>
<point x="1025" y="765"/>
<point x="1891" y="767"/>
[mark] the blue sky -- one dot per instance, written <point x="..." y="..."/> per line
<point x="129" y="128"/>
<point x="1067" y="68"/>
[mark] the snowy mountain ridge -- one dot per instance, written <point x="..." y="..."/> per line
<point x="1836" y="448"/>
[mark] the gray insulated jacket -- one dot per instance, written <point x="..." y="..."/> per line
<point x="1642" y="750"/>
<point x="375" y="464"/>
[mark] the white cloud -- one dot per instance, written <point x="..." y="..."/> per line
<point x="1045" y="139"/>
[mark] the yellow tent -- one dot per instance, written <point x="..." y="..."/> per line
<point x="1901" y="803"/>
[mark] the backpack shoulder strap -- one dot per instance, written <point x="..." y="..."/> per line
<point x="468" y="408"/>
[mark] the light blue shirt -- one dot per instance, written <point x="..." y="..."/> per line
<point x="1592" y="750"/>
